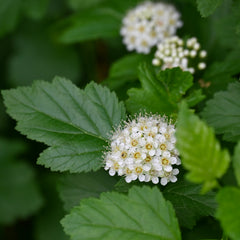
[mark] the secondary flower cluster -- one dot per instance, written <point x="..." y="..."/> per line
<point x="145" y="150"/>
<point x="148" y="24"/>
<point x="175" y="52"/>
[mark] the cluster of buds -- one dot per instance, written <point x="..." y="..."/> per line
<point x="148" y="24"/>
<point x="175" y="52"/>
<point x="144" y="149"/>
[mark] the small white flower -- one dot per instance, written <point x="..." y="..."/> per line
<point x="148" y="156"/>
<point x="174" y="52"/>
<point x="148" y="24"/>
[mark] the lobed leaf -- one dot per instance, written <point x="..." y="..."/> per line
<point x="228" y="211"/>
<point x="159" y="93"/>
<point x="75" y="123"/>
<point x="223" y="112"/>
<point x="201" y="153"/>
<point x="143" y="214"/>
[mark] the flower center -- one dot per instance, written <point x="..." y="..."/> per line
<point x="138" y="169"/>
<point x="165" y="161"/>
<point x="123" y="154"/>
<point x="137" y="155"/>
<point x="128" y="171"/>
<point x="163" y="147"/>
<point x="149" y="146"/>
<point x="148" y="158"/>
<point x="134" y="142"/>
<point x="167" y="136"/>
<point x="116" y="166"/>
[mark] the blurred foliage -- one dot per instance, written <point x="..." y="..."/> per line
<point x="79" y="40"/>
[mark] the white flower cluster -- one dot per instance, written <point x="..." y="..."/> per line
<point x="148" y="24"/>
<point x="174" y="52"/>
<point x="145" y="150"/>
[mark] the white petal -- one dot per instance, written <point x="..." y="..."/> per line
<point x="141" y="178"/>
<point x="155" y="180"/>
<point x="152" y="152"/>
<point x="146" y="167"/>
<point x="173" y="160"/>
<point x="164" y="181"/>
<point x="128" y="179"/>
<point x="168" y="168"/>
<point x="112" y="172"/>
<point x="175" y="171"/>
<point x="147" y="178"/>
<point x="173" y="179"/>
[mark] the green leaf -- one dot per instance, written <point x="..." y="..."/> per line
<point x="223" y="112"/>
<point x="19" y="194"/>
<point x="200" y="151"/>
<point x="74" y="122"/>
<point x="188" y="203"/>
<point x="236" y="162"/>
<point x="125" y="69"/>
<point x="143" y="214"/>
<point x="75" y="187"/>
<point x="228" y="211"/>
<point x="80" y="155"/>
<point x="194" y="97"/>
<point x="159" y="93"/>
<point x="51" y="58"/>
<point x="207" y="7"/>
<point x="90" y="24"/>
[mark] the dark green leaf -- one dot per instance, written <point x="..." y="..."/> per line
<point x="207" y="7"/>
<point x="188" y="203"/>
<point x="80" y="155"/>
<point x="195" y="97"/>
<point x="143" y="214"/>
<point x="159" y="93"/>
<point x="223" y="112"/>
<point x="35" y="9"/>
<point x="74" y="122"/>
<point x="228" y="211"/>
<point x="200" y="151"/>
<point x="75" y="187"/>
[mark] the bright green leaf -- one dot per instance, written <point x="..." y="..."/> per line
<point x="223" y="112"/>
<point x="19" y="193"/>
<point x="90" y="24"/>
<point x="207" y="7"/>
<point x="228" y="211"/>
<point x="201" y="153"/>
<point x="75" y="187"/>
<point x="188" y="203"/>
<point x="236" y="162"/>
<point x="159" y="93"/>
<point x="143" y="214"/>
